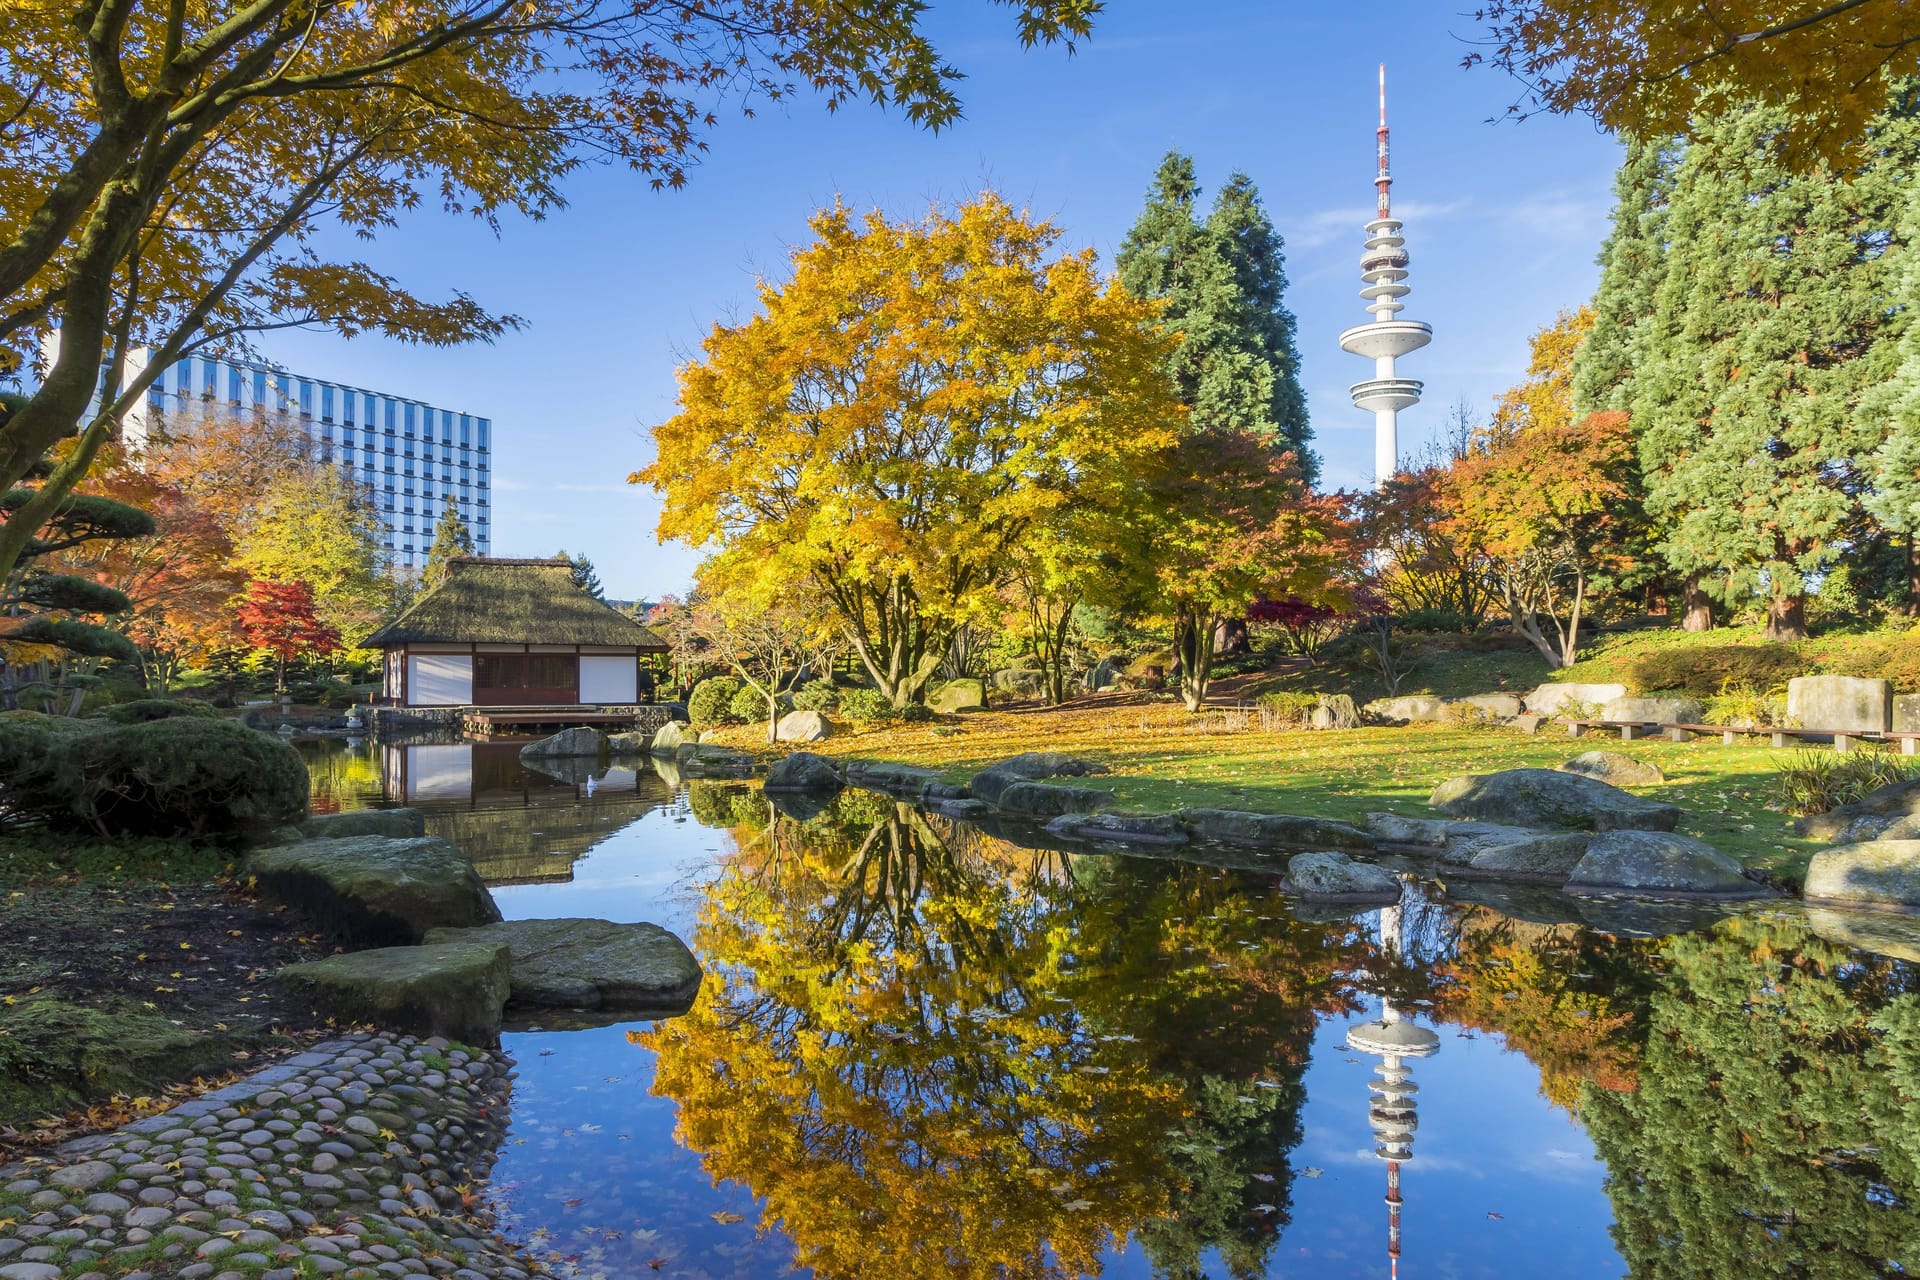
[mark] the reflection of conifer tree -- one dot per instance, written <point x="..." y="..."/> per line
<point x="1775" y="1125"/>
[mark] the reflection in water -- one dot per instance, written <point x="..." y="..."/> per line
<point x="925" y="1051"/>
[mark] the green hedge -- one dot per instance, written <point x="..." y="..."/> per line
<point x="711" y="701"/>
<point x="186" y="776"/>
<point x="143" y="710"/>
<point x="1704" y="670"/>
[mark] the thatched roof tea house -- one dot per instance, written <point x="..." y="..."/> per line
<point x="514" y="633"/>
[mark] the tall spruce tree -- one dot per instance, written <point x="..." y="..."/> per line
<point x="1773" y="317"/>
<point x="1223" y="280"/>
<point x="585" y="576"/>
<point x="1895" y="500"/>
<point x="451" y="538"/>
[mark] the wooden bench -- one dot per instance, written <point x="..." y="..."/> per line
<point x="1843" y="740"/>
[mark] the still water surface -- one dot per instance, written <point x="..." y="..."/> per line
<point x="924" y="1050"/>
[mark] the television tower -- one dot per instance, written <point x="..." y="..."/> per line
<point x="1383" y="269"/>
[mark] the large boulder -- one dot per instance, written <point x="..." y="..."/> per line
<point x="1554" y="699"/>
<point x="1331" y="876"/>
<point x="1876" y="873"/>
<point x="803" y="726"/>
<point x="590" y="964"/>
<point x="1659" y="864"/>
<point x="1501" y="706"/>
<point x="454" y="989"/>
<point x="567" y="744"/>
<point x="1029" y="766"/>
<point x="401" y="823"/>
<point x="1654" y="711"/>
<point x="710" y="760"/>
<point x="1416" y="709"/>
<point x="802" y="771"/>
<point x="1615" y="769"/>
<point x="1159" y="830"/>
<point x="1845" y="704"/>
<point x="1020" y="682"/>
<point x="1049" y="799"/>
<point x="634" y="742"/>
<point x="668" y="737"/>
<point x="1549" y="798"/>
<point x="1866" y="817"/>
<point x="1543" y="857"/>
<point x="1272" y="830"/>
<point x="376" y="890"/>
<point x="959" y="695"/>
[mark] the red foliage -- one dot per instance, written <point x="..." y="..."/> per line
<point x="279" y="617"/>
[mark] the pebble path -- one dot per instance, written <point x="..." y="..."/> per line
<point x="360" y="1158"/>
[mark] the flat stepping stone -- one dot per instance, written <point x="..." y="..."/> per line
<point x="454" y="989"/>
<point x="591" y="964"/>
<point x="376" y="890"/>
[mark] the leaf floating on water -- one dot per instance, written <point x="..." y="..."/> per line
<point x="1092" y="1071"/>
<point x="726" y="1217"/>
<point x="1078" y="1204"/>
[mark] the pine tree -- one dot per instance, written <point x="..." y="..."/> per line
<point x="1259" y="259"/>
<point x="1632" y="263"/>
<point x="451" y="538"/>
<point x="1895" y="499"/>
<point x="1773" y="317"/>
<point x="585" y="576"/>
<point x="1222" y="281"/>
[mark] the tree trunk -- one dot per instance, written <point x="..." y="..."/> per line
<point x="1913" y="575"/>
<point x="773" y="718"/>
<point x="1696" y="609"/>
<point x="1193" y="646"/>
<point x="1787" y="618"/>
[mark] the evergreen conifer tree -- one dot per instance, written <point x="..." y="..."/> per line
<point x="1632" y="264"/>
<point x="1223" y="280"/>
<point x="585" y="576"/>
<point x="1895" y="499"/>
<point x="1773" y="317"/>
<point x="451" y="538"/>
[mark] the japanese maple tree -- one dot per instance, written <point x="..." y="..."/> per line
<point x="280" y="618"/>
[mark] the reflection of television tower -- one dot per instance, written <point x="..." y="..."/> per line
<point x="1391" y="1113"/>
<point x="1383" y="268"/>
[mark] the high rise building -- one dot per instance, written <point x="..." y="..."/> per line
<point x="1383" y="271"/>
<point x="410" y="457"/>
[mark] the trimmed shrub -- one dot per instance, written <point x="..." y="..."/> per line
<point x="711" y="701"/>
<point x="1703" y="670"/>
<point x="30" y="747"/>
<point x="747" y="706"/>
<point x="816" y="695"/>
<point x="144" y="710"/>
<point x="866" y="706"/>
<point x="1895" y="659"/>
<point x="917" y="713"/>
<point x="188" y="776"/>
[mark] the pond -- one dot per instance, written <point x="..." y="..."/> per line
<point x="929" y="1050"/>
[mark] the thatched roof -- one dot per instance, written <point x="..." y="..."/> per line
<point x="483" y="601"/>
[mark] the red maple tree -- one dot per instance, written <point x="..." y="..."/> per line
<point x="279" y="618"/>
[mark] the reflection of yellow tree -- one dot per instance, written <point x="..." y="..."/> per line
<point x="1563" y="996"/>
<point x="936" y="1055"/>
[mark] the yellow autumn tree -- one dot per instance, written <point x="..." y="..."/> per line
<point x="915" y="399"/>
<point x="1649" y="67"/>
<point x="165" y="165"/>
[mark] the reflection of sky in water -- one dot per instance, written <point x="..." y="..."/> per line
<point x="590" y="1171"/>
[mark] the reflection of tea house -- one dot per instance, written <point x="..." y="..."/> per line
<point x="515" y="633"/>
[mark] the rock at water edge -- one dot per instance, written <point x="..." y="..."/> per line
<point x="567" y="744"/>
<point x="1031" y="765"/>
<point x="668" y="737"/>
<point x="1549" y="798"/>
<point x="802" y="771"/>
<point x="1542" y="856"/>
<point x="1048" y="800"/>
<point x="1335" y="877"/>
<point x="1876" y="873"/>
<point x="1659" y="864"/>
<point x="1615" y="769"/>
<point x="451" y="989"/>
<point x="1157" y="829"/>
<point x="1272" y="830"/>
<point x="401" y="823"/>
<point x="376" y="890"/>
<point x="590" y="964"/>
<point x="634" y="742"/>
<point x="803" y="726"/>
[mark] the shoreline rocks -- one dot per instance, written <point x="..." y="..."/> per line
<point x="376" y="890"/>
<point x="1659" y="864"/>
<point x="1331" y="876"/>
<point x="588" y="964"/>
<point x="1879" y="874"/>
<point x="452" y="989"/>
<point x="1549" y="798"/>
<point x="568" y="744"/>
<point x="803" y="773"/>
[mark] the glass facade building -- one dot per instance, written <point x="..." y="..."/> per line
<point x="410" y="457"/>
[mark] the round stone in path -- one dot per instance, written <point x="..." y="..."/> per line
<point x="30" y="1271"/>
<point x="84" y="1176"/>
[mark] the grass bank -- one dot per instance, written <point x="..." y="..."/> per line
<point x="1165" y="759"/>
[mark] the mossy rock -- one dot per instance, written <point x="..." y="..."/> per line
<point x="376" y="890"/>
<point x="591" y="964"/>
<point x="56" y="1056"/>
<point x="400" y="823"/>
<point x="451" y="989"/>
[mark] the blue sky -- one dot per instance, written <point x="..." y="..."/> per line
<point x="1503" y="222"/>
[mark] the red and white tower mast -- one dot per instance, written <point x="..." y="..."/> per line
<point x="1383" y="272"/>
